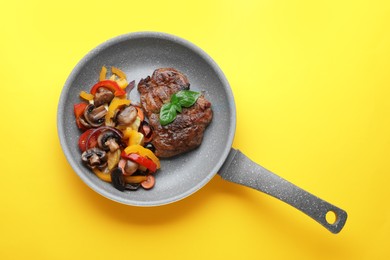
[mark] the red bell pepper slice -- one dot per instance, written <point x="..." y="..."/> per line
<point x="109" y="84"/>
<point x="78" y="112"/>
<point x="83" y="139"/>
<point x="79" y="109"/>
<point x="146" y="162"/>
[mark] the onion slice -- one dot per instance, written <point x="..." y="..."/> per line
<point x="94" y="134"/>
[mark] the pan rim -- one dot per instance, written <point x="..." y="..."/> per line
<point x="143" y="35"/>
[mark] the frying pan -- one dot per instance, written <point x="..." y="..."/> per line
<point x="138" y="55"/>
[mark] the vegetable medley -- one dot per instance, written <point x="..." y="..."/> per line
<point x="116" y="138"/>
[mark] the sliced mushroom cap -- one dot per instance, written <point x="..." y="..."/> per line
<point x="95" y="115"/>
<point x="132" y="186"/>
<point x="103" y="96"/>
<point x="127" y="116"/>
<point x="84" y="122"/>
<point x="94" y="157"/>
<point x="118" y="180"/>
<point x="130" y="167"/>
<point x="109" y="140"/>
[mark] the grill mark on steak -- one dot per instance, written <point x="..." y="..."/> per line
<point x="185" y="133"/>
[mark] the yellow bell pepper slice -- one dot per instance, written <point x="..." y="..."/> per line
<point x="86" y="96"/>
<point x="118" y="72"/>
<point x="113" y="77"/>
<point x="135" y="125"/>
<point x="115" y="104"/>
<point x="103" y="73"/>
<point x="135" y="179"/>
<point x="122" y="83"/>
<point x="113" y="159"/>
<point x="139" y="149"/>
<point x="136" y="138"/>
<point x="127" y="133"/>
<point x="101" y="175"/>
<point x="133" y="136"/>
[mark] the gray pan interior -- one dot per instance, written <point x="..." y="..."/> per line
<point x="138" y="55"/>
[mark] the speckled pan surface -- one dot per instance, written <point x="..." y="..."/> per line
<point x="138" y="55"/>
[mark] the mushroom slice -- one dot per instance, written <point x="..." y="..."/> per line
<point x="119" y="182"/>
<point x="95" y="115"/>
<point x="130" y="167"/>
<point x="127" y="116"/>
<point x="132" y="186"/>
<point x="94" y="157"/>
<point x="84" y="122"/>
<point x="117" y="179"/>
<point x="109" y="140"/>
<point x="103" y="96"/>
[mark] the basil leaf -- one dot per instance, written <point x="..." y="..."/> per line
<point x="167" y="113"/>
<point x="177" y="107"/>
<point x="174" y="99"/>
<point x="186" y="98"/>
<point x="183" y="98"/>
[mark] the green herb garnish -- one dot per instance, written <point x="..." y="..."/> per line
<point x="183" y="98"/>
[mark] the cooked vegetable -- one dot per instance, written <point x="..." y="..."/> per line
<point x="78" y="112"/>
<point x="109" y="122"/>
<point x="102" y="96"/>
<point x="109" y="140"/>
<point x="146" y="131"/>
<point x="109" y="84"/>
<point x="95" y="115"/>
<point x="94" y="158"/>
<point x="127" y="116"/>
<point x="130" y="86"/>
<point x="105" y="175"/>
<point x="130" y="167"/>
<point x="133" y="136"/>
<point x="92" y="138"/>
<point x="118" y="72"/>
<point x="122" y="83"/>
<point x="141" y="160"/>
<point x="103" y="73"/>
<point x="118" y="179"/>
<point x="83" y="139"/>
<point x="86" y="96"/>
<point x="113" y="159"/>
<point x="138" y="149"/>
<point x="132" y="186"/>
<point x="140" y="113"/>
<point x="136" y="124"/>
<point x="113" y="108"/>
<point x="149" y="182"/>
<point x="136" y="178"/>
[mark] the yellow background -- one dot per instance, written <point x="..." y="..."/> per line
<point x="312" y="88"/>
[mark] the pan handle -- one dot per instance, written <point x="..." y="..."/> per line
<point x="241" y="170"/>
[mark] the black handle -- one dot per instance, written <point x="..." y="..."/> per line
<point x="240" y="169"/>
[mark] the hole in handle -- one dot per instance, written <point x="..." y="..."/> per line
<point x="331" y="217"/>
